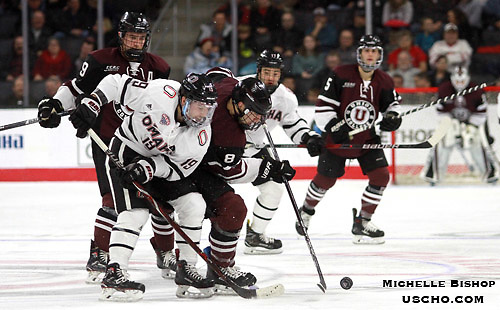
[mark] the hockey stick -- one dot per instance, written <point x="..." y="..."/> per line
<point x="437" y="135"/>
<point x="29" y="121"/>
<point x="270" y="291"/>
<point x="322" y="283"/>
<point x="421" y="107"/>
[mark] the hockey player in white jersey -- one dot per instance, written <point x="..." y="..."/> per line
<point x="283" y="113"/>
<point x="165" y="135"/>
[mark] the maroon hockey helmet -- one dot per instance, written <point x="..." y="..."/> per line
<point x="254" y="95"/>
<point x="134" y="22"/>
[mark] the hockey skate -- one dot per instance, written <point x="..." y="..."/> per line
<point x="240" y="278"/>
<point x="96" y="265"/>
<point x="256" y="243"/>
<point x="116" y="280"/>
<point x="364" y="231"/>
<point x="190" y="283"/>
<point x="166" y="261"/>
<point x="306" y="215"/>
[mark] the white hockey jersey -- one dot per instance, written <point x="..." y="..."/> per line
<point x="150" y="129"/>
<point x="283" y="113"/>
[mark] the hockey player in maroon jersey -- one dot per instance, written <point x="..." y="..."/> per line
<point x="129" y="58"/>
<point x="469" y="116"/>
<point x="353" y="97"/>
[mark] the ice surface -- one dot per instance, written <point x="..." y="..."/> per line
<point x="440" y="233"/>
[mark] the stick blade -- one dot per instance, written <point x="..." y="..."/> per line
<point x="322" y="287"/>
<point x="270" y="291"/>
<point x="440" y="132"/>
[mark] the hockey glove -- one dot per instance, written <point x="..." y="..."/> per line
<point x="273" y="170"/>
<point x="141" y="171"/>
<point x="341" y="135"/>
<point x="84" y="116"/>
<point x="47" y="112"/>
<point x="313" y="142"/>
<point x="390" y="122"/>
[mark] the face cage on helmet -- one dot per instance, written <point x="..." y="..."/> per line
<point x="134" y="54"/>
<point x="460" y="82"/>
<point x="253" y="126"/>
<point x="191" y="122"/>
<point x="367" y="67"/>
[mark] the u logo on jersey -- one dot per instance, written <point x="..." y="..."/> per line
<point x="359" y="113"/>
<point x="202" y="137"/>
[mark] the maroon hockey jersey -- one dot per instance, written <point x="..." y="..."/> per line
<point x="470" y="108"/>
<point x="346" y="96"/>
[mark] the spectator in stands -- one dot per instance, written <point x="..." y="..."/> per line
<point x="15" y="99"/>
<point x="405" y="69"/>
<point x="39" y="33"/>
<point x="440" y="72"/>
<point x="52" y="83"/>
<point x="15" y="63"/>
<point x="247" y="51"/>
<point x="205" y="57"/>
<point x="398" y="80"/>
<point x="288" y="38"/>
<point x="427" y="34"/>
<point x="473" y="10"/>
<point x="88" y="45"/>
<point x="457" y="17"/>
<point x="52" y="61"/>
<point x="72" y="20"/>
<point x="305" y="65"/>
<point x="359" y="24"/>
<point x="405" y="43"/>
<point x="332" y="60"/>
<point x="457" y="51"/>
<point x="220" y="32"/>
<point x="422" y="80"/>
<point x="346" y="49"/>
<point x="264" y="20"/>
<point x="397" y="13"/>
<point x="243" y="11"/>
<point x="323" y="31"/>
<point x="434" y="9"/>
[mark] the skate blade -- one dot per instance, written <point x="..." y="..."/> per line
<point x="223" y="290"/>
<point x="186" y="291"/>
<point x="94" y="277"/>
<point x="367" y="240"/>
<point x="271" y="291"/>
<point x="261" y="251"/>
<point x="167" y="273"/>
<point x="111" y="294"/>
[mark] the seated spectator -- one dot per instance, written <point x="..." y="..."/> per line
<point x="458" y="18"/>
<point x="243" y="11"/>
<point x="39" y="33"/>
<point x="16" y="98"/>
<point x="440" y="72"/>
<point x="346" y="49"/>
<point x="72" y="20"/>
<point x="247" y="51"/>
<point x="287" y="39"/>
<point x="52" y="83"/>
<point x="405" y="69"/>
<point x="219" y="30"/>
<point x="88" y="45"/>
<point x="427" y="35"/>
<point x="204" y="57"/>
<point x="332" y="61"/>
<point x="433" y="9"/>
<point x="418" y="57"/>
<point x="473" y="10"/>
<point x="52" y="61"/>
<point x="422" y="80"/>
<point x="323" y="31"/>
<point x="15" y="63"/>
<point x="397" y="13"/>
<point x="398" y="80"/>
<point x="264" y="20"/>
<point x="305" y="65"/>
<point x="457" y="51"/>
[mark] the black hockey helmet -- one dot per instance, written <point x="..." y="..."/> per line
<point x="254" y="95"/>
<point x="372" y="42"/>
<point x="270" y="59"/>
<point x="198" y="88"/>
<point x="134" y="22"/>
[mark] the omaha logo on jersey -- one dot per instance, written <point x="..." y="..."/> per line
<point x="169" y="91"/>
<point x="202" y="137"/>
<point x="359" y="113"/>
<point x="165" y="120"/>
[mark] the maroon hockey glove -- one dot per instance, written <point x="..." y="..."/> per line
<point x="47" y="112"/>
<point x="84" y="116"/>
<point x="273" y="170"/>
<point x="313" y="142"/>
<point x="390" y="122"/>
<point x="141" y="171"/>
<point x="341" y="135"/>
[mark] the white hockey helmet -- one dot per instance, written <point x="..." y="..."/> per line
<point x="460" y="78"/>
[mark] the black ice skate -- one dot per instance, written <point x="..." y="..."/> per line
<point x="190" y="283"/>
<point x="116" y="280"/>
<point x="242" y="279"/>
<point x="364" y="231"/>
<point x="306" y="215"/>
<point x="492" y="177"/>
<point x="256" y="243"/>
<point x="166" y="261"/>
<point x="96" y="265"/>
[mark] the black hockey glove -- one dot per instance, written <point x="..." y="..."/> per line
<point x="85" y="114"/>
<point x="141" y="171"/>
<point x="341" y="135"/>
<point x="313" y="142"/>
<point x="390" y="122"/>
<point x="47" y="112"/>
<point x="273" y="170"/>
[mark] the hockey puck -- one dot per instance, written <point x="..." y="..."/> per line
<point x="346" y="283"/>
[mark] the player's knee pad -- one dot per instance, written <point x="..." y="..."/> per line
<point x="270" y="194"/>
<point x="132" y="219"/>
<point x="379" y="176"/>
<point x="190" y="209"/>
<point x="323" y="183"/>
<point x="230" y="212"/>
